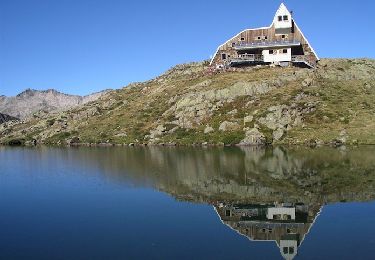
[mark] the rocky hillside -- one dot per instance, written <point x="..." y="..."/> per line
<point x="31" y="101"/>
<point x="333" y="104"/>
<point x="6" y="118"/>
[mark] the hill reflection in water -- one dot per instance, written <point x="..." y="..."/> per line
<point x="266" y="194"/>
<point x="238" y="174"/>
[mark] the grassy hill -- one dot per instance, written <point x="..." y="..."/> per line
<point x="190" y="105"/>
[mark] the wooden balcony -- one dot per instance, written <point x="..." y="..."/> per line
<point x="245" y="58"/>
<point x="265" y="44"/>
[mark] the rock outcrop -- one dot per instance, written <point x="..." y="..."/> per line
<point x="5" y="118"/>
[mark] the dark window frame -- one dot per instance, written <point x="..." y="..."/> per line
<point x="280" y="18"/>
<point x="285" y="18"/>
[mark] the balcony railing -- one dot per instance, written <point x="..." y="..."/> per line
<point x="243" y="58"/>
<point x="265" y="44"/>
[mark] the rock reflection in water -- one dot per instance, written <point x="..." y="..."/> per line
<point x="242" y="174"/>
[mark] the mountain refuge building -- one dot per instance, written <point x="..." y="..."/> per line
<point x="282" y="43"/>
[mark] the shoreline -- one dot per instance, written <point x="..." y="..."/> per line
<point x="332" y="145"/>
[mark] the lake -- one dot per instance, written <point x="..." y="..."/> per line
<point x="187" y="203"/>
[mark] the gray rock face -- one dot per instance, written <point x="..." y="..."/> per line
<point x="31" y="101"/>
<point x="5" y="118"/>
<point x="253" y="137"/>
<point x="278" y="117"/>
<point x="282" y="118"/>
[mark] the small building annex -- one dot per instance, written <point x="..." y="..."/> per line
<point x="282" y="43"/>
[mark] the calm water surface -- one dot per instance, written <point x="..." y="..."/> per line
<point x="187" y="203"/>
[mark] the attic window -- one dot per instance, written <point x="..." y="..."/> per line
<point x="285" y="17"/>
<point x="242" y="38"/>
<point x="259" y="37"/>
<point x="280" y="18"/>
<point x="233" y="44"/>
<point x="285" y="51"/>
<point x="223" y="56"/>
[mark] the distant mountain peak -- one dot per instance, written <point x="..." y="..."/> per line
<point x="30" y="101"/>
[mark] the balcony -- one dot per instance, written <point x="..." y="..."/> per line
<point x="265" y="44"/>
<point x="245" y="58"/>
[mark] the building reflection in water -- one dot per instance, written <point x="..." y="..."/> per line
<point x="285" y="223"/>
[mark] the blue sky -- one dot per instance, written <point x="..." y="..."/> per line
<point x="83" y="46"/>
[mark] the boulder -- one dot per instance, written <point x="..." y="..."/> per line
<point x="278" y="134"/>
<point x="159" y="131"/>
<point x="228" y="126"/>
<point x="208" y="130"/>
<point x="253" y="137"/>
<point x="73" y="140"/>
<point x="248" y="119"/>
<point x="343" y="137"/>
<point x="307" y="82"/>
<point x="233" y="112"/>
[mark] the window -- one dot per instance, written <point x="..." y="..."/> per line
<point x="223" y="56"/>
<point x="288" y="250"/>
<point x="286" y="51"/>
<point x="283" y="36"/>
<point x="271" y="51"/>
<point x="227" y="213"/>
<point x="265" y="37"/>
<point x="233" y="44"/>
<point x="259" y="38"/>
<point x="285" y="17"/>
<point x="242" y="38"/>
<point x="280" y="18"/>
